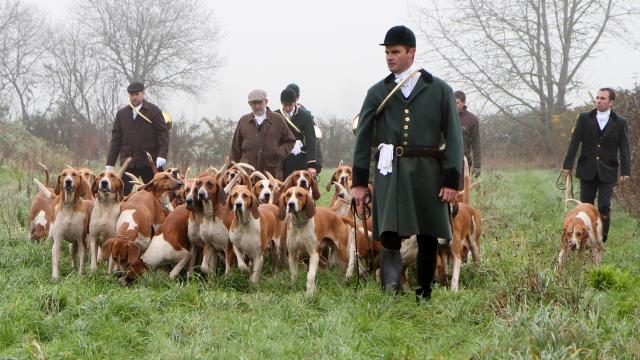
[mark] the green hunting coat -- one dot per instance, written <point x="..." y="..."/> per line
<point x="406" y="201"/>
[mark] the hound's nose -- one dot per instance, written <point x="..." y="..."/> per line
<point x="238" y="206"/>
<point x="303" y="183"/>
<point x="68" y="183"/>
<point x="202" y="194"/>
<point x="267" y="196"/>
<point x="104" y="184"/>
<point x="291" y="205"/>
<point x="189" y="201"/>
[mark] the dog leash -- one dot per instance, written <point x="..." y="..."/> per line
<point x="566" y="186"/>
<point x="365" y="216"/>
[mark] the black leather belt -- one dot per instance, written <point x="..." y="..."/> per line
<point x="419" y="152"/>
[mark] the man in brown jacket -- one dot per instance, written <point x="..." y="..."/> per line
<point x="138" y="128"/>
<point x="470" y="132"/>
<point x="262" y="138"/>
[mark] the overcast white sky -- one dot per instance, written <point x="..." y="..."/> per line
<point x="329" y="48"/>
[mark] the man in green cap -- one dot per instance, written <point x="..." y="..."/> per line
<point x="414" y="180"/>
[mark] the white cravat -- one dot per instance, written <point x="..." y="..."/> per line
<point x="408" y="86"/>
<point x="260" y="118"/>
<point x="137" y="109"/>
<point x="603" y="118"/>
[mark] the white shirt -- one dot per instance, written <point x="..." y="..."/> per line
<point x="135" y="113"/>
<point x="260" y="118"/>
<point x="603" y="118"/>
<point x="408" y="86"/>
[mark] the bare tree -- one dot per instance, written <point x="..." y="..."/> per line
<point x="23" y="43"/>
<point x="88" y="88"/>
<point x="521" y="55"/>
<point x="168" y="44"/>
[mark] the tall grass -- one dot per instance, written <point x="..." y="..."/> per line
<point x="511" y="305"/>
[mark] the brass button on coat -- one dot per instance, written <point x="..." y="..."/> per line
<point x="407" y="118"/>
<point x="406" y="111"/>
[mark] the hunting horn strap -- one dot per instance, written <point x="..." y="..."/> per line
<point x="356" y="120"/>
<point x="395" y="90"/>
<point x="286" y="118"/>
<point x="139" y="113"/>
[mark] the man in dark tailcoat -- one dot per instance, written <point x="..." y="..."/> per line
<point x="414" y="181"/>
<point x="139" y="127"/>
<point x="603" y="134"/>
<point x="300" y="122"/>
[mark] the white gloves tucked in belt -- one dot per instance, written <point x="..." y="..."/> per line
<point x="297" y="148"/>
<point x="385" y="160"/>
<point x="160" y="162"/>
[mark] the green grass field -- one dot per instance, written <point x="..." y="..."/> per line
<point x="512" y="305"/>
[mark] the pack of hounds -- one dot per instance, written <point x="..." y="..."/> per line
<point x="238" y="216"/>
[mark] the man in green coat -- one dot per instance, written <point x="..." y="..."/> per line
<point x="414" y="181"/>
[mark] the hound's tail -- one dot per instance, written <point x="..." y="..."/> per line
<point x="577" y="202"/>
<point x="46" y="174"/>
<point x="43" y="189"/>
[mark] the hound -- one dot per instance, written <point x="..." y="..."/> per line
<point x="582" y="231"/>
<point x="343" y="175"/>
<point x="209" y="224"/>
<point x="254" y="228"/>
<point x="140" y="216"/>
<point x="466" y="231"/>
<point x="71" y="222"/>
<point x="109" y="191"/>
<point x="42" y="210"/>
<point x="263" y="187"/>
<point x="307" y="230"/>
<point x="169" y="246"/>
<point x="303" y="179"/>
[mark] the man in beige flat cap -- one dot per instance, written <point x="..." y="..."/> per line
<point x="262" y="137"/>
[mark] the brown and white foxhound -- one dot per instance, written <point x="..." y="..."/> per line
<point x="308" y="230"/>
<point x="582" y="231"/>
<point x="71" y="219"/>
<point x="254" y="229"/>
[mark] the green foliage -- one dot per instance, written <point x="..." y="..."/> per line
<point x="608" y="277"/>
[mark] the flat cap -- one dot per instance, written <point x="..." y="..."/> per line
<point x="135" y="87"/>
<point x="257" y="95"/>
<point x="400" y="35"/>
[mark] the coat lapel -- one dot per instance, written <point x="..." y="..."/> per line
<point x="425" y="79"/>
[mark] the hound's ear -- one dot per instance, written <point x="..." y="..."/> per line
<point x="134" y="254"/>
<point x="58" y="185"/>
<point x="94" y="186"/>
<point x="288" y="182"/>
<point x="119" y="190"/>
<point x="282" y="213"/>
<point x="229" y="204"/>
<point x="222" y="196"/>
<point x="330" y="183"/>
<point x="310" y="207"/>
<point x="314" y="189"/>
<point x="254" y="207"/>
<point x="106" y="249"/>
<point x="83" y="188"/>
